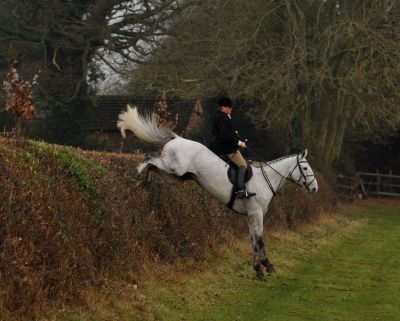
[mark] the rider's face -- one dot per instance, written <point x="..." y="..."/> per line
<point x="226" y="110"/>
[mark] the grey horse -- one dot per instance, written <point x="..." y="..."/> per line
<point x="181" y="157"/>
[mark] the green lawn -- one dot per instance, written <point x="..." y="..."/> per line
<point x="344" y="270"/>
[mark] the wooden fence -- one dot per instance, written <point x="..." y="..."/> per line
<point x="368" y="184"/>
<point x="379" y="184"/>
<point x="348" y="187"/>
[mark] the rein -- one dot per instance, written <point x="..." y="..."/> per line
<point x="268" y="180"/>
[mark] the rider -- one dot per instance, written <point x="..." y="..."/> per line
<point x="227" y="142"/>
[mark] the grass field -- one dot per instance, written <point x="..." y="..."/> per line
<point x="345" y="268"/>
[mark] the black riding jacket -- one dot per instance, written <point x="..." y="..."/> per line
<point x="226" y="138"/>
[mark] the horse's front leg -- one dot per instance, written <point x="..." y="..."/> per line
<point x="258" y="245"/>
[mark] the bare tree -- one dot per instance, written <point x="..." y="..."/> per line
<point x="67" y="36"/>
<point x="314" y="68"/>
<point x="69" y="42"/>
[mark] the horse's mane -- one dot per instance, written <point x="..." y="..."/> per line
<point x="279" y="159"/>
<point x="264" y="163"/>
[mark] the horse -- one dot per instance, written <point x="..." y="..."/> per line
<point x="184" y="158"/>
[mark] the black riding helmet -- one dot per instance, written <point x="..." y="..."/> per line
<point x="225" y="101"/>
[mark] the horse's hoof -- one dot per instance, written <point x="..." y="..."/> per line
<point x="260" y="275"/>
<point x="140" y="184"/>
<point x="135" y="175"/>
<point x="270" y="268"/>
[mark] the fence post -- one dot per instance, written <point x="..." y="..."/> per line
<point x="378" y="182"/>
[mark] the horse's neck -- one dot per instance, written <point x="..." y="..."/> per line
<point x="280" y="170"/>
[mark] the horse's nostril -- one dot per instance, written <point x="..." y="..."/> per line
<point x="314" y="190"/>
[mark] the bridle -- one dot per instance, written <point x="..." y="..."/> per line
<point x="302" y="175"/>
<point x="289" y="177"/>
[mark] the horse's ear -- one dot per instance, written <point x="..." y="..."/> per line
<point x="304" y="154"/>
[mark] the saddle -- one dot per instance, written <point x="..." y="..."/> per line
<point x="233" y="169"/>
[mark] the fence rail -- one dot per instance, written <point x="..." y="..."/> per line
<point x="380" y="184"/>
<point x="368" y="184"/>
<point x="347" y="187"/>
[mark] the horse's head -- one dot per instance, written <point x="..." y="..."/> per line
<point x="303" y="174"/>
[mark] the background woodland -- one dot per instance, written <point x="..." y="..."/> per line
<point x="310" y="73"/>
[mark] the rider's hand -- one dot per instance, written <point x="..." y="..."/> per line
<point x="242" y="144"/>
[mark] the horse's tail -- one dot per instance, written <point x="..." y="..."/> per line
<point x="144" y="127"/>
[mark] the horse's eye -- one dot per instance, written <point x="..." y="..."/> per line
<point x="305" y="168"/>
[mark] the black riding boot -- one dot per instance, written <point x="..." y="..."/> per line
<point x="240" y="186"/>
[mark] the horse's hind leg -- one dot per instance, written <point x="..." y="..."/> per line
<point x="145" y="167"/>
<point x="144" y="163"/>
<point x="153" y="164"/>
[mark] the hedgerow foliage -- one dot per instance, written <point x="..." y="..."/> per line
<point x="71" y="218"/>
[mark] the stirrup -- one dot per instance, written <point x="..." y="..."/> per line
<point x="244" y="194"/>
<point x="250" y="194"/>
<point x="241" y="194"/>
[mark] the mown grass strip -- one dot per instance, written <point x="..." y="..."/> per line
<point x="354" y="275"/>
